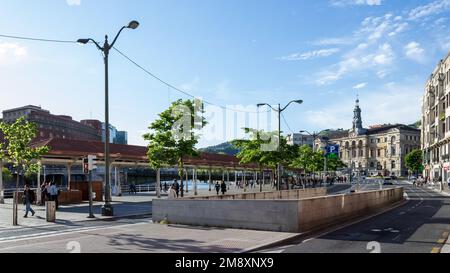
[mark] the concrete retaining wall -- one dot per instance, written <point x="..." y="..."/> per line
<point x="277" y="195"/>
<point x="320" y="212"/>
<point x="274" y="215"/>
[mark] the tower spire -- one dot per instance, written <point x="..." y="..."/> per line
<point x="357" y="119"/>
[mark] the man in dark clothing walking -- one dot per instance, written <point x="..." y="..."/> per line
<point x="217" y="188"/>
<point x="177" y="187"/>
<point x="223" y="187"/>
<point x="28" y="198"/>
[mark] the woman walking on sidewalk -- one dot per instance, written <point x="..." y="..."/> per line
<point x="28" y="199"/>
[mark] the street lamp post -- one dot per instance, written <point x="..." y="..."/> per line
<point x="107" y="209"/>
<point x="279" y="110"/>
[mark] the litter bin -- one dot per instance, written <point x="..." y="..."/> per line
<point x="50" y="209"/>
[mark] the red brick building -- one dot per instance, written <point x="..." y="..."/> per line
<point x="55" y="126"/>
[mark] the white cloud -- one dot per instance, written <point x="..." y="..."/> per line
<point x="414" y="52"/>
<point x="342" y="3"/>
<point x="310" y="54"/>
<point x="360" y="85"/>
<point x="375" y="28"/>
<point x="73" y="2"/>
<point x="357" y="60"/>
<point x="11" y="52"/>
<point x="333" y="41"/>
<point x="433" y="8"/>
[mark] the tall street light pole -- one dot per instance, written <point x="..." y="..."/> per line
<point x="279" y="110"/>
<point x="107" y="209"/>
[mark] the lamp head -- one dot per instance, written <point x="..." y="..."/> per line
<point x="261" y="104"/>
<point x="83" y="41"/>
<point x="133" y="24"/>
<point x="299" y="101"/>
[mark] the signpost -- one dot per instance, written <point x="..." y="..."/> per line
<point x="90" y="164"/>
<point x="331" y="151"/>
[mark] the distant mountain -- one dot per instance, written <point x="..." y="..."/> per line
<point x="416" y="125"/>
<point x="224" y="148"/>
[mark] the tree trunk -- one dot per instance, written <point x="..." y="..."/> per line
<point x="2" y="200"/>
<point x="180" y="173"/>
<point x="16" y="199"/>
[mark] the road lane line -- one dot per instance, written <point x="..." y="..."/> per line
<point x="441" y="241"/>
<point x="54" y="234"/>
<point x="436" y="250"/>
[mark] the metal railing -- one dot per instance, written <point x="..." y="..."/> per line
<point x="9" y="193"/>
<point x="139" y="188"/>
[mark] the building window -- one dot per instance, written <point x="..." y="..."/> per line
<point x="378" y="140"/>
<point x="393" y="165"/>
<point x="393" y="151"/>
<point x="379" y="152"/>
<point x="372" y="165"/>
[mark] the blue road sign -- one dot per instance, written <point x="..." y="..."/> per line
<point x="333" y="149"/>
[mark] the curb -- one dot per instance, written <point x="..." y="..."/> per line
<point x="294" y="237"/>
<point x="113" y="218"/>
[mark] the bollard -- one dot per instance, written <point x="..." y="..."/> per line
<point x="50" y="209"/>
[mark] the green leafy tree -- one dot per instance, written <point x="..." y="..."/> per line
<point x="335" y="163"/>
<point x="414" y="160"/>
<point x="18" y="137"/>
<point x="3" y="174"/>
<point x="262" y="149"/>
<point x="175" y="134"/>
<point x="308" y="160"/>
<point x="6" y="173"/>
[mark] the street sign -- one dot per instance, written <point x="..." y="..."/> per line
<point x="92" y="162"/>
<point x="332" y="149"/>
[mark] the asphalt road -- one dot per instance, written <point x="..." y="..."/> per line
<point x="422" y="225"/>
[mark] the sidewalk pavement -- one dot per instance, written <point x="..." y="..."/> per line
<point x="124" y="206"/>
<point x="127" y="205"/>
<point x="151" y="238"/>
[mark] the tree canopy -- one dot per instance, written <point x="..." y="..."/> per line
<point x="414" y="161"/>
<point x="175" y="134"/>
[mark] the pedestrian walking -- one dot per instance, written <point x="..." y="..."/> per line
<point x="47" y="190"/>
<point x="181" y="187"/>
<point x="217" y="188"/>
<point x="28" y="198"/>
<point x="172" y="192"/>
<point x="54" y="194"/>
<point x="177" y="187"/>
<point x="223" y="186"/>
<point x="43" y="193"/>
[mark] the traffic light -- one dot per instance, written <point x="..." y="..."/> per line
<point x="92" y="162"/>
<point x="85" y="165"/>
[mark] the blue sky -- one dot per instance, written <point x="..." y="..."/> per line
<point x="233" y="53"/>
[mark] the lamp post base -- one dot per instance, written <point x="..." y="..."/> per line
<point x="107" y="210"/>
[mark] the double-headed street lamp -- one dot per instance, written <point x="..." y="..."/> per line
<point x="279" y="110"/>
<point x="107" y="209"/>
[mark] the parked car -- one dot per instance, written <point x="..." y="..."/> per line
<point x="388" y="181"/>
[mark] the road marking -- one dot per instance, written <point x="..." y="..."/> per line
<point x="441" y="241"/>
<point x="58" y="233"/>
<point x="436" y="250"/>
